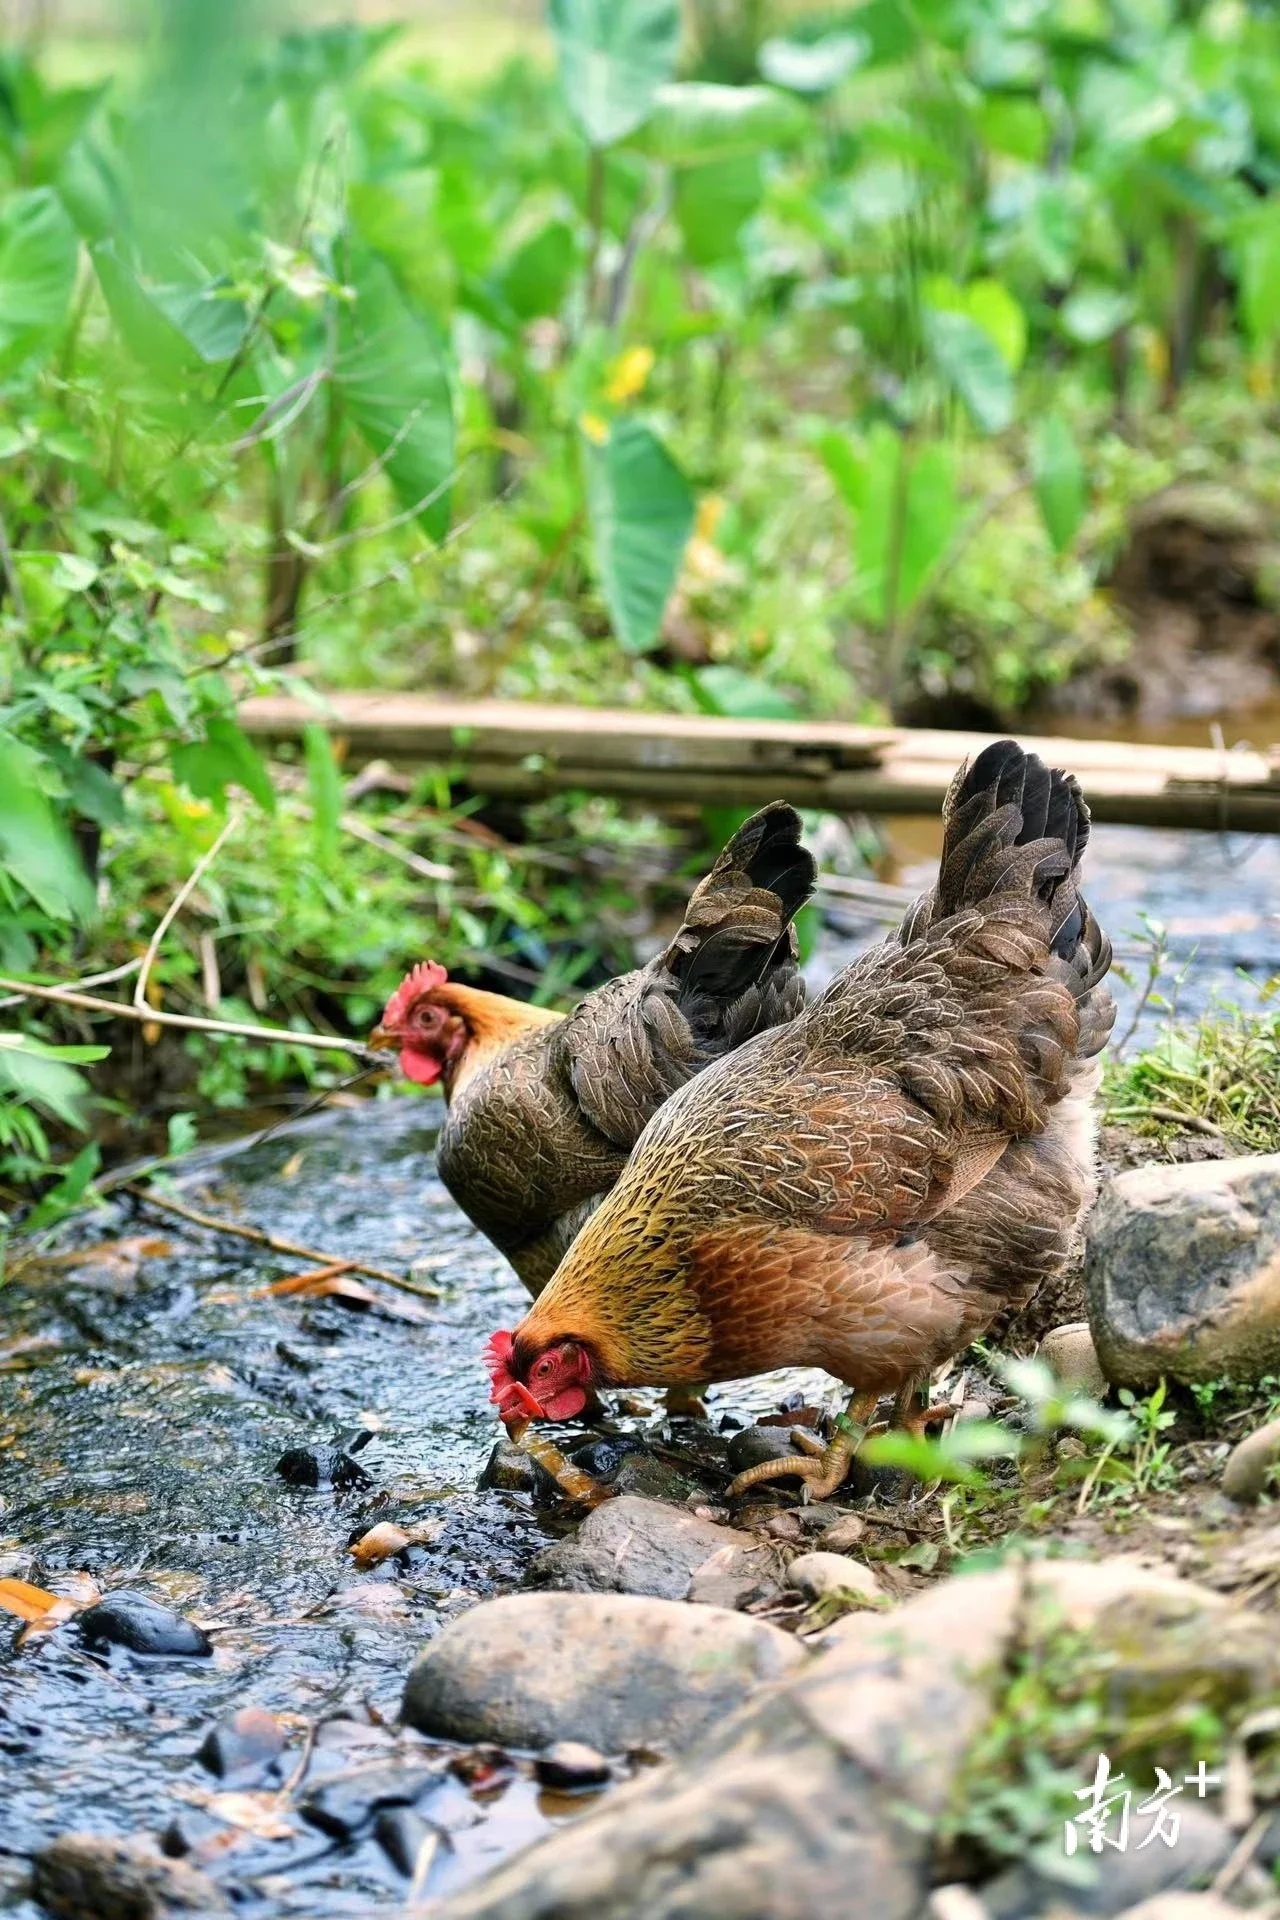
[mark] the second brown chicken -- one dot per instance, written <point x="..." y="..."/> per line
<point x="869" y="1187"/>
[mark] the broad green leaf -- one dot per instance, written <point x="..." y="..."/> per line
<point x="921" y="496"/>
<point x="1091" y="314"/>
<point x="994" y="309"/>
<point x="1019" y="127"/>
<point x="325" y="785"/>
<point x="614" y="55"/>
<point x="90" y="789"/>
<point x="38" y="251"/>
<point x="1058" y="472"/>
<point x="712" y="203"/>
<point x="73" y="573"/>
<point x="171" y="329"/>
<point x="52" y="1085"/>
<point x="35" y="849"/>
<point x="694" y="122"/>
<point x="973" y="366"/>
<point x="209" y="318"/>
<point x="846" y="465"/>
<point x="641" y="512"/>
<point x="1258" y="255"/>
<point x="71" y="1186"/>
<point x="538" y="274"/>
<point x="736" y="695"/>
<point x="394" y="384"/>
<point x="813" y="66"/>
<point x="49" y="1050"/>
<point x="225" y="757"/>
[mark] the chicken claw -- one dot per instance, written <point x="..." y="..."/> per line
<point x="822" y="1469"/>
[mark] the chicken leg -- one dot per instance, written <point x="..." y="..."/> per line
<point x="824" y="1469"/>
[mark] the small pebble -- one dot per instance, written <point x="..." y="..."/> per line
<point x="136" y="1621"/>
<point x="784" y="1526"/>
<point x="571" y="1765"/>
<point x="1250" y="1464"/>
<point x="300" y="1467"/>
<point x="247" y="1742"/>
<point x="817" y="1574"/>
<point x="842" y="1534"/>
<point x="1070" y="1352"/>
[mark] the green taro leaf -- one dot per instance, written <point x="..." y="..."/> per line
<point x="713" y="202"/>
<point x="813" y="66"/>
<point x="172" y="329"/>
<point x="871" y="479"/>
<point x="394" y="384"/>
<point x="35" y="849"/>
<point x="614" y="55"/>
<point x="641" y="512"/>
<point x="967" y="357"/>
<point x="325" y="784"/>
<point x="38" y="253"/>
<point x="694" y="122"/>
<point x="1258" y="255"/>
<point x="225" y="757"/>
<point x="1058" y="472"/>
<point x="538" y="275"/>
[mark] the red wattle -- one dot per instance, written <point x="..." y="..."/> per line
<point x="564" y="1405"/>
<point x="422" y="1067"/>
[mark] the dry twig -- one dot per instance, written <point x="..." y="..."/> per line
<point x="175" y="907"/>
<point x="67" y="997"/>
<point x="277" y="1244"/>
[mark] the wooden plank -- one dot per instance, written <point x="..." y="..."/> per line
<point x="528" y="751"/>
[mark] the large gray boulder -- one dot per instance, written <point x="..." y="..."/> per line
<point x="818" y="1792"/>
<point x="1182" y="1266"/>
<point x="613" y="1670"/>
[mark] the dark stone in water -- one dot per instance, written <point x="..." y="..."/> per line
<point x="136" y="1621"/>
<point x="347" y="1474"/>
<point x="344" y="1804"/>
<point x="571" y="1765"/>
<point x="509" y="1469"/>
<point x="400" y="1833"/>
<point x="602" y="1458"/>
<point x="246" y="1743"/>
<point x="299" y="1466"/>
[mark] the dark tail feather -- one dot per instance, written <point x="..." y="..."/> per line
<point x="1013" y="825"/>
<point x="737" y="924"/>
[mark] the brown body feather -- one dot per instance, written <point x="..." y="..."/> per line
<point x="866" y="1188"/>
<point x="539" y="1126"/>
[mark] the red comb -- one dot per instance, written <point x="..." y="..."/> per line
<point x="426" y="976"/>
<point x="510" y="1396"/>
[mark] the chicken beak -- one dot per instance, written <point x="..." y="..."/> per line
<point x="517" y="1425"/>
<point x="381" y="1041"/>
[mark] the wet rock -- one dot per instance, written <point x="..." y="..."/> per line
<point x="1070" y="1351"/>
<point x="754" y="1445"/>
<point x="634" y="1545"/>
<point x="1251" y="1464"/>
<point x="571" y="1766"/>
<point x="603" y="1457"/>
<point x="142" y="1624"/>
<point x="401" y="1834"/>
<point x="613" y="1670"/>
<point x="300" y="1466"/>
<point x="1204" y="1844"/>
<point x="348" y="1802"/>
<point x="843" y="1534"/>
<point x="247" y="1743"/>
<point x="509" y="1469"/>
<point x="91" y="1876"/>
<point x="832" y="1779"/>
<point x="735" y="1576"/>
<point x="1182" y="1273"/>
<point x="817" y="1574"/>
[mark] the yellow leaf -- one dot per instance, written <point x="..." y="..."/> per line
<point x="628" y="374"/>
<point x="27" y="1602"/>
<point x="596" y="429"/>
<point x="710" y="514"/>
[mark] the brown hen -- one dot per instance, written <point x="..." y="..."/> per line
<point x="543" y="1109"/>
<point x="867" y="1188"/>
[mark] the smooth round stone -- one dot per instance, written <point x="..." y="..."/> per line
<point x="143" y="1625"/>
<point x="817" y="1574"/>
<point x="571" y="1765"/>
<point x="1250" y="1464"/>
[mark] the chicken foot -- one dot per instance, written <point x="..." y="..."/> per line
<point x="825" y="1468"/>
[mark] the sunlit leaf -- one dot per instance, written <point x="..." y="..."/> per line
<point x="813" y="66"/>
<point x="694" y="122"/>
<point x="34" y="846"/>
<point x="225" y="757"/>
<point x="614" y="55"/>
<point x="973" y="365"/>
<point x="711" y="204"/>
<point x="641" y="512"/>
<point x="1091" y="314"/>
<point x="539" y="273"/>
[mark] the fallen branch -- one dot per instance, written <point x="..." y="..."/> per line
<point x="277" y="1244"/>
<point x="1173" y="1116"/>
<point x="192" y="1023"/>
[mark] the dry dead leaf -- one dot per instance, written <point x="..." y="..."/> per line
<point x="256" y="1813"/>
<point x="42" y="1611"/>
<point x="292" y="1166"/>
<point x="386" y="1539"/>
<point x="336" y="1282"/>
<point x="24" y="1601"/>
